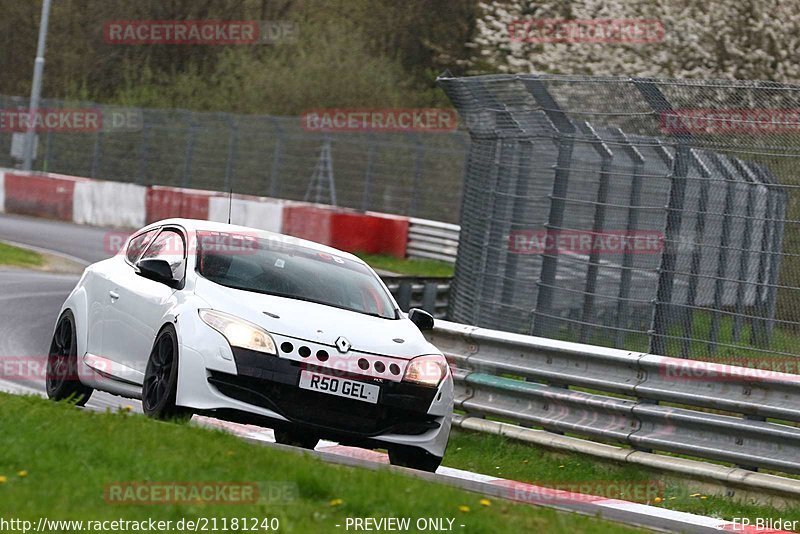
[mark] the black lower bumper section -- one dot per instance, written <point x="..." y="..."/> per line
<point x="272" y="383"/>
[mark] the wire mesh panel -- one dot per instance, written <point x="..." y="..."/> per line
<point x="417" y="173"/>
<point x="637" y="213"/>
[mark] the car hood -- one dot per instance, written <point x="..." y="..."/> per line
<point x="318" y="323"/>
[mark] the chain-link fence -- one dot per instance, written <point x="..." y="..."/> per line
<point x="643" y="214"/>
<point x="408" y="173"/>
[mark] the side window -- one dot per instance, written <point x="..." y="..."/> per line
<point x="169" y="246"/>
<point x="138" y="244"/>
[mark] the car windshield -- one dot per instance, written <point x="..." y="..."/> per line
<point x="274" y="266"/>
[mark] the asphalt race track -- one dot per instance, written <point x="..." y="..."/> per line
<point x="29" y="303"/>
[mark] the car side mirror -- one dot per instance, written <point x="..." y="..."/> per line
<point x="158" y="271"/>
<point x="421" y="318"/>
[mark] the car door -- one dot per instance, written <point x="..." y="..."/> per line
<point x="137" y="306"/>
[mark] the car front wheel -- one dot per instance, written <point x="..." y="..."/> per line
<point x="61" y="380"/>
<point x="161" y="379"/>
<point x="414" y="458"/>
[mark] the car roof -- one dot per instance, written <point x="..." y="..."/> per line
<point x="197" y="225"/>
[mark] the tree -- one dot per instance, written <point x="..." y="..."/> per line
<point x="746" y="39"/>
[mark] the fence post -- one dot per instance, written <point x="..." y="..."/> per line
<point x="565" y="140"/>
<point x="233" y="145"/>
<point x="144" y="151"/>
<point x="725" y="238"/>
<point x="631" y="226"/>
<point x="759" y="335"/>
<point x="96" y="152"/>
<point x="697" y="256"/>
<point x="277" y="152"/>
<point x="186" y="179"/>
<point x="419" y="156"/>
<point x="606" y="157"/>
<point x="744" y="257"/>
<point x="666" y="271"/>
<point x="366" y="198"/>
<point x="777" y="245"/>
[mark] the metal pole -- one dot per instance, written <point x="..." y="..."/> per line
<point x="36" y="87"/>
<point x="592" y="271"/>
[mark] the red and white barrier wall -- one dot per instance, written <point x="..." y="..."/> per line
<point x="123" y="205"/>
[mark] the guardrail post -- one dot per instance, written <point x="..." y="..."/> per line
<point x="429" y="293"/>
<point x="632" y="224"/>
<point x="277" y="152"/>
<point x="606" y="157"/>
<point x="404" y="295"/>
<point x="666" y="271"/>
<point x="565" y="141"/>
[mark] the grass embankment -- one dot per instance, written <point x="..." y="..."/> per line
<point x="17" y="257"/>
<point x="503" y="457"/>
<point x="58" y="461"/>
<point x="411" y="267"/>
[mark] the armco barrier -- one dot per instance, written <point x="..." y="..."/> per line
<point x="101" y="203"/>
<point x="42" y="196"/>
<point x="254" y="212"/>
<point x="2" y="191"/>
<point x="433" y="240"/>
<point x="166" y="202"/>
<point x="526" y="380"/>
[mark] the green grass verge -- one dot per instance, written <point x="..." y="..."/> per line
<point x="58" y="461"/>
<point x="17" y="257"/>
<point x="503" y="457"/>
<point x="412" y="267"/>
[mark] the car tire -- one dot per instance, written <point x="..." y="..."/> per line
<point x="61" y="378"/>
<point x="296" y="438"/>
<point x="160" y="386"/>
<point x="414" y="458"/>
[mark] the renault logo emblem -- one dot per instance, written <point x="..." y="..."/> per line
<point x="343" y="345"/>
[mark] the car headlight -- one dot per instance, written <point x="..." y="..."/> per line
<point x="238" y="332"/>
<point x="426" y="370"/>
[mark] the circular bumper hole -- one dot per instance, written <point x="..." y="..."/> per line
<point x="287" y="347"/>
<point x="305" y="352"/>
<point x="394" y="369"/>
<point x="322" y="356"/>
<point x="363" y="364"/>
<point x="380" y="367"/>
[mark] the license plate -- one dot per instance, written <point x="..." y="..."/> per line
<point x="341" y="387"/>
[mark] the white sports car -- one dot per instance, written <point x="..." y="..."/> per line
<point x="255" y="327"/>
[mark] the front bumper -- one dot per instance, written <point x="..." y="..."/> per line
<point x="263" y="390"/>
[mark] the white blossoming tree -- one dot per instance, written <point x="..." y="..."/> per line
<point x="739" y="39"/>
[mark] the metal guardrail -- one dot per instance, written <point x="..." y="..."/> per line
<point x="428" y="293"/>
<point x="432" y="240"/>
<point x="713" y="412"/>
